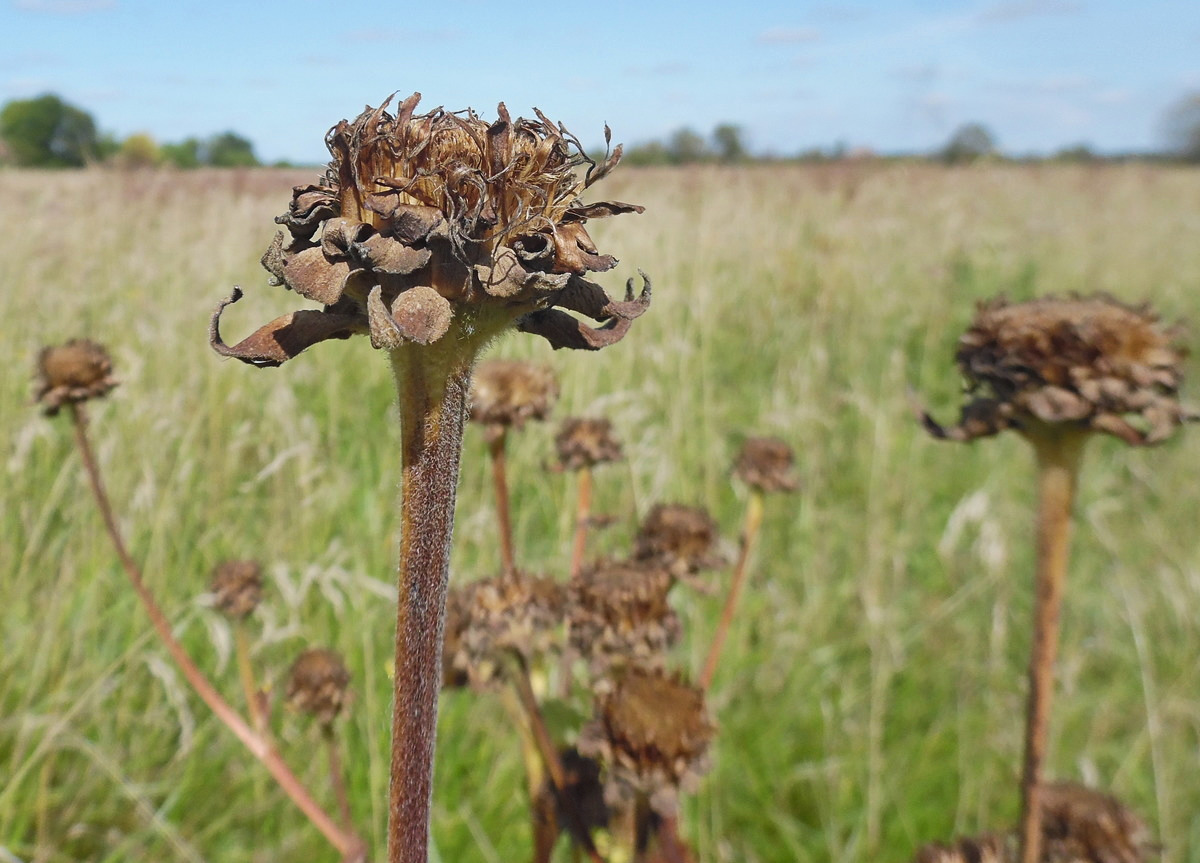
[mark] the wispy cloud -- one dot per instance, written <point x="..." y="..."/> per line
<point x="788" y="36"/>
<point x="1006" y="11"/>
<point x="65" y="7"/>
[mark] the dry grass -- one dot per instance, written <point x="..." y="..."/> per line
<point x="870" y="694"/>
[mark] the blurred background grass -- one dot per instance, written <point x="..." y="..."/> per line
<point x="871" y="695"/>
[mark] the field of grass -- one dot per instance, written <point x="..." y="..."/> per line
<point x="871" y="695"/>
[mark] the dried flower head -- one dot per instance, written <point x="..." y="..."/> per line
<point x="236" y="587"/>
<point x="681" y="538"/>
<point x="1080" y="824"/>
<point x="765" y="464"/>
<point x="619" y="615"/>
<point x="586" y="442"/>
<point x="74" y="372"/>
<point x="318" y="684"/>
<point x="510" y="392"/>
<point x="490" y="619"/>
<point x="651" y="733"/>
<point x="988" y="848"/>
<point x="426" y="223"/>
<point x="1091" y="362"/>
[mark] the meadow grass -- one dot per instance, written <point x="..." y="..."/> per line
<point x="871" y="693"/>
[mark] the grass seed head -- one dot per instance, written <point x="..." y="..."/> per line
<point x="71" y="373"/>
<point x="1091" y="363"/>
<point x="426" y="223"/>
<point x="682" y="538"/>
<point x="586" y="442"/>
<point x="318" y="684"/>
<point x="765" y="464"/>
<point x="237" y="587"/>
<point x="509" y="393"/>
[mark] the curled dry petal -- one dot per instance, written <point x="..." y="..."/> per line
<point x="283" y="338"/>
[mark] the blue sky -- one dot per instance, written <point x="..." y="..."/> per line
<point x="892" y="76"/>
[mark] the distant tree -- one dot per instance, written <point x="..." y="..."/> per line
<point x="46" y="132"/>
<point x="968" y="143"/>
<point x="645" y="154"/>
<point x="1181" y="126"/>
<point x="228" y="150"/>
<point x="727" y="141"/>
<point x="687" y="146"/>
<point x="1076" y="153"/>
<point x="185" y="154"/>
<point x="139" y="150"/>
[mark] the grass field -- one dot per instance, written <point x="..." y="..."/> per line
<point x="871" y="695"/>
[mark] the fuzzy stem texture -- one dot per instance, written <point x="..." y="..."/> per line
<point x="1058" y="451"/>
<point x="432" y="385"/>
<point x="346" y="842"/>
<point x="750" y="529"/>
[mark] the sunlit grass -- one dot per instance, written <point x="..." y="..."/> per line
<point x="870" y="694"/>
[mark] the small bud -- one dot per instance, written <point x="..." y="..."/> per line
<point x="318" y="684"/>
<point x="236" y="587"/>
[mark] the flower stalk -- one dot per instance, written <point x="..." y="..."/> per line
<point x="749" y="538"/>
<point x="583" y="517"/>
<point x="497" y="441"/>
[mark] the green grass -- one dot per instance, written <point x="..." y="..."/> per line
<point x="871" y="695"/>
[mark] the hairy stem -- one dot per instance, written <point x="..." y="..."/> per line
<point x="583" y="515"/>
<point x="1058" y="451"/>
<point x="750" y="529"/>
<point x="346" y="842"/>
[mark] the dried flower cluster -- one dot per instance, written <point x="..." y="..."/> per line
<point x="766" y="464"/>
<point x="424" y="221"/>
<point x="510" y="393"/>
<point x="680" y="538"/>
<point x="584" y="442"/>
<point x="236" y="587"/>
<point x="1092" y="362"/>
<point x="71" y="373"/>
<point x="318" y="684"/>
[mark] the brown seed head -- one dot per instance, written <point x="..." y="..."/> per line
<point x="236" y="587"/>
<point x="488" y="620"/>
<point x="1090" y="362"/>
<point x="584" y="442"/>
<point x="318" y="684"/>
<point x="652" y="733"/>
<point x="681" y="538"/>
<point x="74" y="372"/>
<point x="510" y="392"/>
<point x="988" y="848"/>
<point x="437" y="223"/>
<point x="765" y="463"/>
<point x="1080" y="824"/>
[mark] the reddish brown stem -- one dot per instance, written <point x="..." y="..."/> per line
<point x="583" y="516"/>
<point x="1058" y="453"/>
<point x="432" y="387"/>
<point x="337" y="776"/>
<point x="754" y="513"/>
<point x="349" y="845"/>
<point x="497" y="438"/>
<point x="673" y="848"/>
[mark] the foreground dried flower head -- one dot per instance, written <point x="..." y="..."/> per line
<point x="584" y="442"/>
<point x="318" y="684"/>
<point x="681" y="538"/>
<point x="70" y="373"/>
<point x="765" y="464"/>
<point x="651" y="733"/>
<point x="428" y="222"/>
<point x="989" y="848"/>
<point x="511" y="392"/>
<point x="236" y="587"/>
<point x="1091" y="362"/>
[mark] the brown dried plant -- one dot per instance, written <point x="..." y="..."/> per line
<point x="583" y="443"/>
<point x="432" y="233"/>
<point x="236" y="588"/>
<point x="1055" y="371"/>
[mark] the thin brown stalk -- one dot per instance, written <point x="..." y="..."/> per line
<point x="750" y="530"/>
<point x="673" y="848"/>
<point x="583" y="517"/>
<point x="254" y="701"/>
<point x="1058" y="452"/>
<point x="346" y="842"/>
<point x="337" y="775"/>
<point x="497" y="438"/>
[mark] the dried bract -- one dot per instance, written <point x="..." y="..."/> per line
<point x="651" y="733"/>
<point x="586" y="442"/>
<point x="236" y="587"/>
<point x="318" y="684"/>
<point x="74" y="372"/>
<point x="426" y="224"/>
<point x="681" y="538"/>
<point x="989" y="848"/>
<point x="1091" y="362"/>
<point x="765" y="464"/>
<point x="510" y="393"/>
<point x="490" y="619"/>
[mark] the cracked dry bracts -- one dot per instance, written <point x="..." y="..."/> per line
<point x="1092" y="362"/>
<point x="441" y="223"/>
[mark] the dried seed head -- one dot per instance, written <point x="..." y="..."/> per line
<point x="74" y="372"/>
<point x="681" y="538"/>
<point x="1091" y="362"/>
<point x="510" y="393"/>
<point x="583" y="442"/>
<point x="651" y="732"/>
<point x="236" y="587"/>
<point x="318" y="684"/>
<point x="619" y="615"/>
<point x="765" y="464"/>
<point x="1081" y="824"/>
<point x="490" y="619"/>
<point x="988" y="848"/>
<point x="437" y="223"/>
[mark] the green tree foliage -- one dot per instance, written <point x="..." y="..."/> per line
<point x="1182" y="128"/>
<point x="46" y="132"/>
<point x="968" y="143"/>
<point x="228" y="150"/>
<point x="139" y="150"/>
<point x="727" y="140"/>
